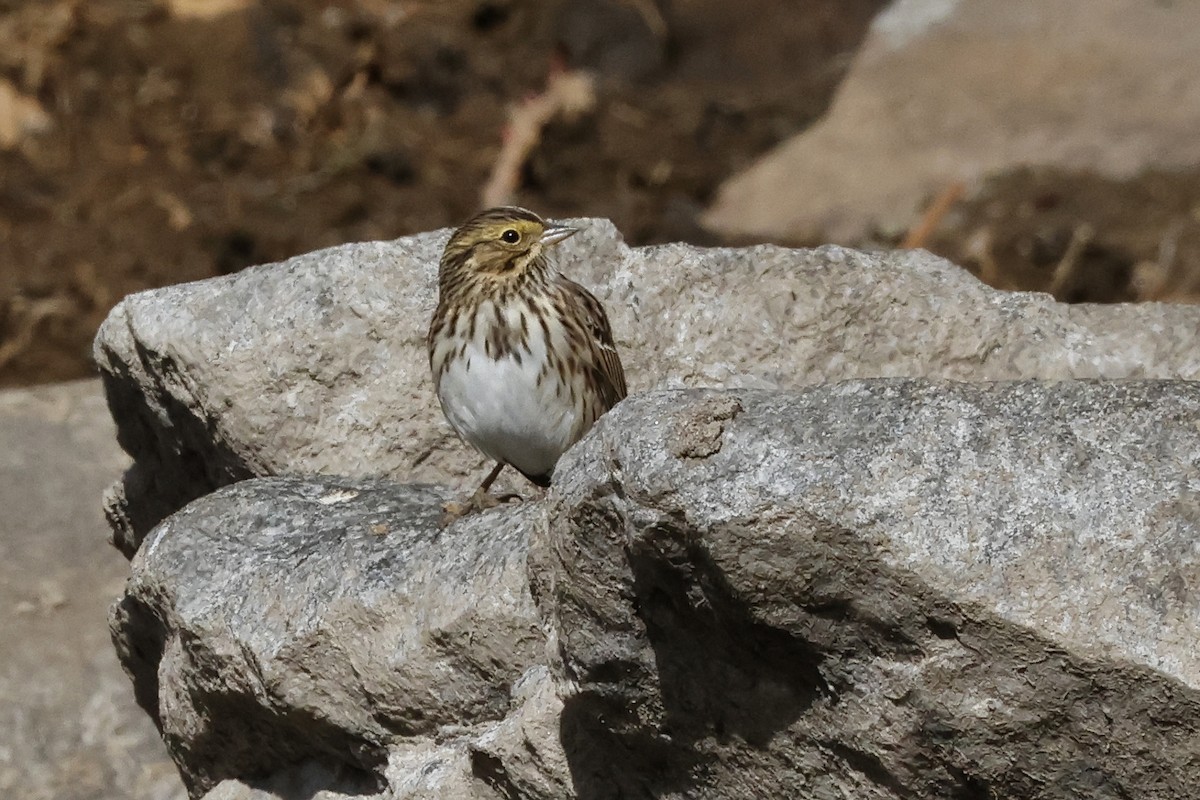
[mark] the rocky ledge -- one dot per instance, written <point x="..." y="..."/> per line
<point x="857" y="533"/>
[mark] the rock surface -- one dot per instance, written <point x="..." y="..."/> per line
<point x="874" y="589"/>
<point x="947" y="90"/>
<point x="284" y="622"/>
<point x="887" y="589"/>
<point x="318" y="364"/>
<point x="69" y="729"/>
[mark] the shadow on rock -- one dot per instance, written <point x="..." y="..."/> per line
<point x="721" y="676"/>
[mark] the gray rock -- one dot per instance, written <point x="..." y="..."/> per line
<point x="318" y="364"/>
<point x="881" y="589"/>
<point x="299" y="630"/>
<point x="520" y="756"/>
<point x="1107" y="86"/>
<point x="311" y="780"/>
<point x="69" y="729"/>
<point x="876" y="589"/>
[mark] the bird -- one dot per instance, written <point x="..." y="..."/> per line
<point x="522" y="358"/>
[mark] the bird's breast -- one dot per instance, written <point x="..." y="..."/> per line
<point x="500" y="390"/>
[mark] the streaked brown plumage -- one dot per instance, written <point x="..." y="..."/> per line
<point x="523" y="359"/>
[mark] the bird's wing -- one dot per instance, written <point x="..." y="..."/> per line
<point x="599" y="333"/>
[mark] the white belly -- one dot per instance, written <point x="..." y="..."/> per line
<point x="498" y="406"/>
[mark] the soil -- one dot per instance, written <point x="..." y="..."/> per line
<point x="184" y="144"/>
<point x="186" y="147"/>
<point x="1080" y="237"/>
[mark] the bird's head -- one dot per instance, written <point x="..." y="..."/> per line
<point x="501" y="244"/>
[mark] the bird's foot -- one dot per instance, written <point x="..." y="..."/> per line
<point x="480" y="501"/>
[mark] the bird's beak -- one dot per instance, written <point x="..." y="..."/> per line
<point x="556" y="233"/>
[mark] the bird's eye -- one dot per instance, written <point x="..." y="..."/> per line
<point x="511" y="236"/>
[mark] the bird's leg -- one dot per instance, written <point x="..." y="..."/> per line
<point x="480" y="501"/>
<point x="494" y="500"/>
<point x="491" y="478"/>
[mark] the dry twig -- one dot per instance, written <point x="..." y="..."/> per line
<point x="1068" y="265"/>
<point x="919" y="234"/>
<point x="569" y="93"/>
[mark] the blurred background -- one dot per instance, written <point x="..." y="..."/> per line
<point x="1043" y="145"/>
<point x="146" y="142"/>
<point x="169" y="140"/>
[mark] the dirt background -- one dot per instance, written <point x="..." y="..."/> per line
<point x="180" y="139"/>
